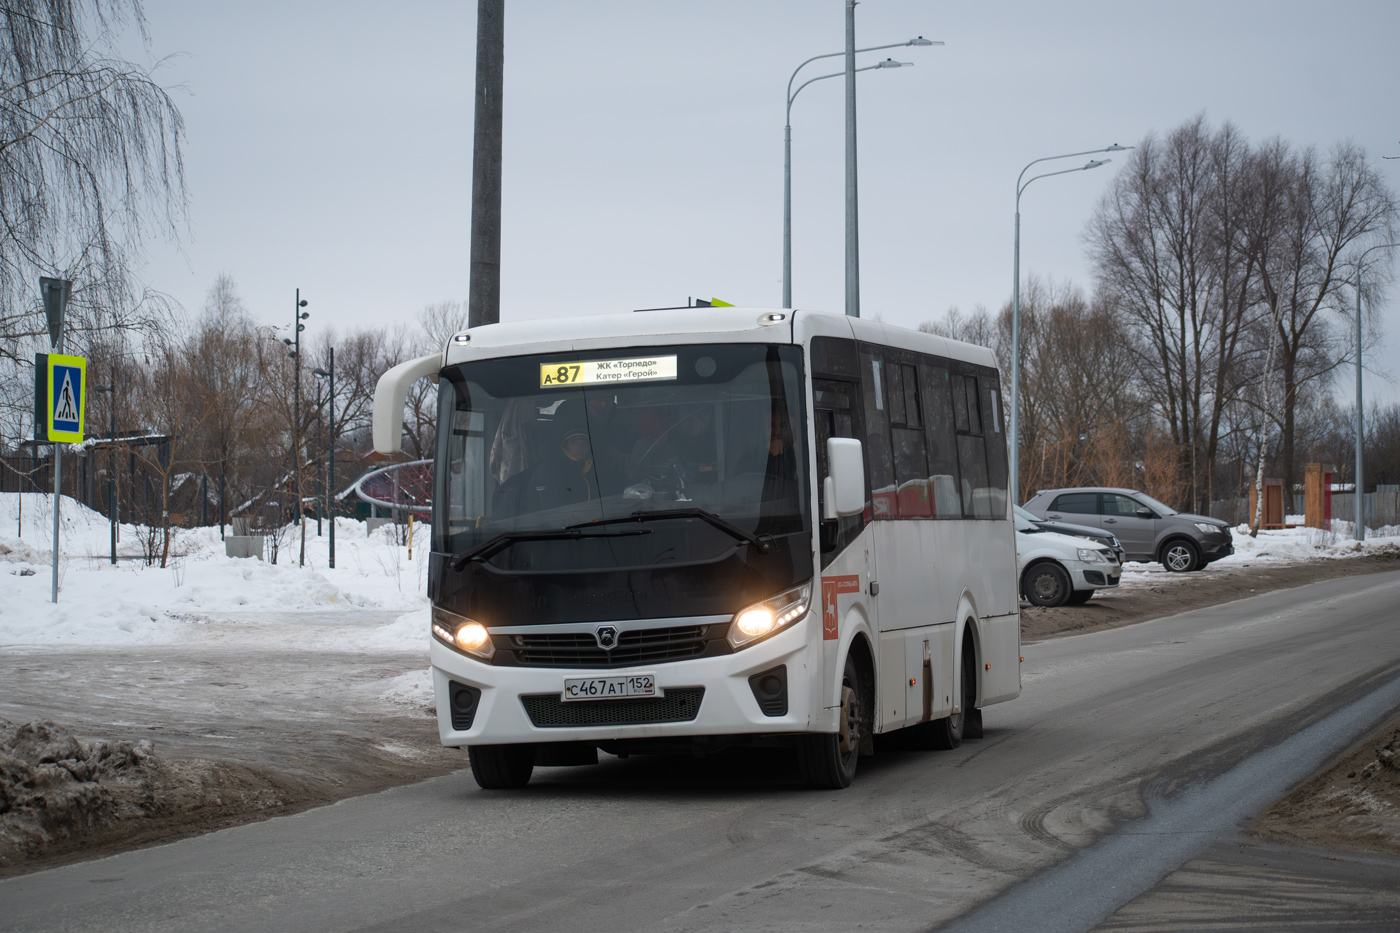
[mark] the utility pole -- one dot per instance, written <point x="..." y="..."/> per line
<point x="852" y="213"/>
<point x="484" y="290"/>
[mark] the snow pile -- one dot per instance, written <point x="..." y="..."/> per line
<point x="413" y="689"/>
<point x="133" y="603"/>
<point x="57" y="791"/>
<point x="1290" y="545"/>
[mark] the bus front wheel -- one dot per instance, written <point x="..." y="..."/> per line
<point x="828" y="761"/>
<point x="501" y="767"/>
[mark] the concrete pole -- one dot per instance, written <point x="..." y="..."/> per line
<point x="1360" y="531"/>
<point x="484" y="289"/>
<point x="330" y="489"/>
<point x="852" y="210"/>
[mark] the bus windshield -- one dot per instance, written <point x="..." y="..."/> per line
<point x="536" y="444"/>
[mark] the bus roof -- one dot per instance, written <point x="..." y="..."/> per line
<point x="693" y="325"/>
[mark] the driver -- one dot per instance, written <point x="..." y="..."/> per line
<point x="568" y="477"/>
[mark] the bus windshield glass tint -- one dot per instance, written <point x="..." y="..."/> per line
<point x="539" y="443"/>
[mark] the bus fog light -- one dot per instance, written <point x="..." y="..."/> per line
<point x="774" y="614"/>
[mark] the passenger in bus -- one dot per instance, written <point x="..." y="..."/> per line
<point x="567" y="478"/>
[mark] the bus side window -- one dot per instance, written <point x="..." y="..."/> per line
<point x="913" y="493"/>
<point x="834" y="416"/>
<point x="942" y="441"/>
<point x="972" y="451"/>
<point x="879" y="463"/>
<point x="995" y="436"/>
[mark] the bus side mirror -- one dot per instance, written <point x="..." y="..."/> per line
<point x="843" y="490"/>
<point x="391" y="392"/>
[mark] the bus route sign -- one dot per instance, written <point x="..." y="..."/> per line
<point x="66" y="384"/>
<point x="602" y="372"/>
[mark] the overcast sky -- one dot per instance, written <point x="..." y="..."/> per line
<point x="330" y="143"/>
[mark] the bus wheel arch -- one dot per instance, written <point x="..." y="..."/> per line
<point x="827" y="761"/>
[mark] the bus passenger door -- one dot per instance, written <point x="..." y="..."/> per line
<point x="847" y="558"/>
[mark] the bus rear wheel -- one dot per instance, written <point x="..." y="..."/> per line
<point x="501" y="767"/>
<point x="828" y="761"/>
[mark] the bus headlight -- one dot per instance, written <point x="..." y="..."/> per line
<point x="465" y="635"/>
<point x="772" y="615"/>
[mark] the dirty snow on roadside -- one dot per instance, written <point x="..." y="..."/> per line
<point x="134" y="604"/>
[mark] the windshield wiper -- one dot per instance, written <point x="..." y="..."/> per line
<point x="764" y="543"/>
<point x="506" y="538"/>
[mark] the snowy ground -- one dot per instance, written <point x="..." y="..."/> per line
<point x="136" y="604"/>
<point x="132" y="603"/>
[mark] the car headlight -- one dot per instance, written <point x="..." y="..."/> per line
<point x="1209" y="529"/>
<point x="772" y="615"/>
<point x="1092" y="555"/>
<point x="465" y="635"/>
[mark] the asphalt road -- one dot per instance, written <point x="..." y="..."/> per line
<point x="1164" y="731"/>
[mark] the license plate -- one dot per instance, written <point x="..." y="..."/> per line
<point x="609" y="688"/>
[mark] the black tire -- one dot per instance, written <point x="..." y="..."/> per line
<point x="828" y="761"/>
<point x="501" y="767"/>
<point x="1180" y="556"/>
<point x="1046" y="584"/>
<point x="1079" y="597"/>
<point x="948" y="733"/>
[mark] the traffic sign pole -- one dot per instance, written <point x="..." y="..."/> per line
<point x="55" y="294"/>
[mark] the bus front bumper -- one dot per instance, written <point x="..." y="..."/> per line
<point x="727" y="706"/>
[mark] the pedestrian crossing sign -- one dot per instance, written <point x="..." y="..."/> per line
<point x="67" y="385"/>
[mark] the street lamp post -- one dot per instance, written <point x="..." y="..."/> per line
<point x="1015" y="430"/>
<point x="294" y="342"/>
<point x="787" y="143"/>
<point x="1360" y="532"/>
<point x="329" y="376"/>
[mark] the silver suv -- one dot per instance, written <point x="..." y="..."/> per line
<point x="1146" y="528"/>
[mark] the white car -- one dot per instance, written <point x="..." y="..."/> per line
<point x="1059" y="570"/>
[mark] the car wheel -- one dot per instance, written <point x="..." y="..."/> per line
<point x="501" y="767"/>
<point x="828" y="761"/>
<point x="1046" y="584"/>
<point x="1181" y="556"/>
<point x="1079" y="597"/>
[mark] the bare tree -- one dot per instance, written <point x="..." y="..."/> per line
<point x="90" y="166"/>
<point x="1334" y="209"/>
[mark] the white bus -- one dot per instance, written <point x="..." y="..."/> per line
<point x="692" y="529"/>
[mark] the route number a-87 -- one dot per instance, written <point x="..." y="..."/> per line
<point x="561" y="374"/>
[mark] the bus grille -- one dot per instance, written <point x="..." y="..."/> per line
<point x="580" y="649"/>
<point x="678" y="705"/>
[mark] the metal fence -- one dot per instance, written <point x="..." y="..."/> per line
<point x="1381" y="508"/>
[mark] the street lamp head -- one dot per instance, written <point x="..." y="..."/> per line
<point x="1096" y="163"/>
<point x="292" y="354"/>
<point x="320" y="372"/>
<point x="302" y="303"/>
<point x="305" y="314"/>
<point x="891" y="63"/>
<point x="287" y="341"/>
<point x="1117" y="148"/>
<point x="920" y="40"/>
